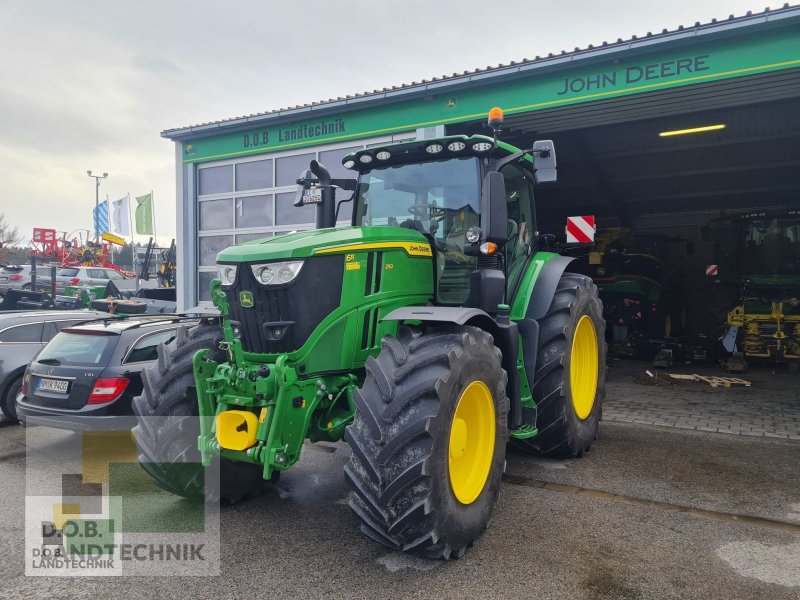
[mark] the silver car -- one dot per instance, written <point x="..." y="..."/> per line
<point x="93" y="276"/>
<point x="22" y="335"/>
<point x="13" y="277"/>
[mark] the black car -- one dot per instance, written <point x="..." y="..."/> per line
<point x="22" y="335"/>
<point x="93" y="370"/>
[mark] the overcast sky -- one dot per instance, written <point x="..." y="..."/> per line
<point x="91" y="84"/>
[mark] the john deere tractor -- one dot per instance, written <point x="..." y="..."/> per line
<point x="426" y="335"/>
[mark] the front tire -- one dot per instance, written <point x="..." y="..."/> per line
<point x="570" y="371"/>
<point x="168" y="427"/>
<point x="428" y="441"/>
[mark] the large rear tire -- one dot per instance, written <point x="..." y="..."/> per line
<point x="428" y="441"/>
<point x="570" y="371"/>
<point x="166" y="434"/>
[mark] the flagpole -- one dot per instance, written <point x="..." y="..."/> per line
<point x="132" y="224"/>
<point x="153" y="209"/>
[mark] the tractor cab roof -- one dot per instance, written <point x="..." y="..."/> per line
<point x="415" y="151"/>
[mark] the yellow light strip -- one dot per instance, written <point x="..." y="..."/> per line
<point x="692" y="130"/>
<point x="411" y="248"/>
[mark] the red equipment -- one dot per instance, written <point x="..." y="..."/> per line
<point x="46" y="246"/>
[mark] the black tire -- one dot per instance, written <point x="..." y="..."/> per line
<point x="167" y="445"/>
<point x="562" y="433"/>
<point x="399" y="468"/>
<point x="8" y="404"/>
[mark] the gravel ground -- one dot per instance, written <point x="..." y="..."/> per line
<point x="299" y="541"/>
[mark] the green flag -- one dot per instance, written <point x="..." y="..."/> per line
<point x="144" y="214"/>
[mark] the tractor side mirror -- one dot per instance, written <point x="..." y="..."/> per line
<point x="308" y="190"/>
<point x="544" y="161"/>
<point x="494" y="211"/>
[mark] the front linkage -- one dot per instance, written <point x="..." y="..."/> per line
<point x="261" y="412"/>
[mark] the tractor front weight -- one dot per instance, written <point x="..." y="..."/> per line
<point x="262" y="413"/>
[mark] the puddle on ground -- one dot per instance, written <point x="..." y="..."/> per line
<point x="770" y="563"/>
<point x="546" y="463"/>
<point x="397" y="561"/>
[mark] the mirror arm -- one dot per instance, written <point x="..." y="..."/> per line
<point x="508" y="159"/>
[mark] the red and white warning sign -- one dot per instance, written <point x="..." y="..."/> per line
<point x="581" y="230"/>
<point x="712" y="270"/>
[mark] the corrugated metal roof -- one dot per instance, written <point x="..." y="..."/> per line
<point x="483" y="75"/>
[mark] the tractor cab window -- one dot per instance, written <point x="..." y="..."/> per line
<point x="442" y="198"/>
<point x="521" y="221"/>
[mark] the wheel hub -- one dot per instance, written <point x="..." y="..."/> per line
<point x="583" y="367"/>
<point x="471" y="444"/>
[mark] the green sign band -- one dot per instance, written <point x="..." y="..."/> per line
<point x="688" y="65"/>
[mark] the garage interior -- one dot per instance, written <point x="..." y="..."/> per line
<point x="659" y="193"/>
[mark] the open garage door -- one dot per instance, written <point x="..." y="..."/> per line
<point x="613" y="163"/>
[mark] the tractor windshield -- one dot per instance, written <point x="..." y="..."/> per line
<point x="768" y="245"/>
<point x="441" y="197"/>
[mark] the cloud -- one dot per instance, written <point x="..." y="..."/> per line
<point x="90" y="84"/>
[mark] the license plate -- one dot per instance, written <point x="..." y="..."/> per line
<point x="52" y="385"/>
<point x="3" y="279"/>
<point x="312" y="195"/>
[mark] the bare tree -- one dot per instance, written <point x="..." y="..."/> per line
<point x="9" y="236"/>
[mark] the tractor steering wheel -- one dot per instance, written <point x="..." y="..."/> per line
<point x="419" y="210"/>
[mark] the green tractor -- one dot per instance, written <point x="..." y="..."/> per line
<point x="427" y="335"/>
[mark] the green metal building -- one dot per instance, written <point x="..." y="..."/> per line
<point x="604" y="106"/>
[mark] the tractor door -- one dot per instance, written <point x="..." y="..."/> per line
<point x="521" y="222"/>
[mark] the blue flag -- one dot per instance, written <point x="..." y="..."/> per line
<point x="101" y="217"/>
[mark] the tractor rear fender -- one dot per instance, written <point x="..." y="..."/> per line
<point x="505" y="336"/>
<point x="541" y="296"/>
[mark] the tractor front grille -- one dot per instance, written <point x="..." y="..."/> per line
<point x="283" y="317"/>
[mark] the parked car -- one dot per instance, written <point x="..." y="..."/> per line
<point x="92" y="276"/>
<point x="93" y="370"/>
<point x="22" y="336"/>
<point x="15" y="277"/>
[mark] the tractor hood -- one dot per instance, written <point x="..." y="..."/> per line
<point x="326" y="241"/>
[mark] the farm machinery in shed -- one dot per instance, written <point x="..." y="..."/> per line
<point x="428" y="335"/>
<point x="757" y="285"/>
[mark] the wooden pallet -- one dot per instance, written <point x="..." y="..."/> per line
<point x="713" y="381"/>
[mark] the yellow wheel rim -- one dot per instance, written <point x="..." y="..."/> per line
<point x="471" y="447"/>
<point x="583" y="367"/>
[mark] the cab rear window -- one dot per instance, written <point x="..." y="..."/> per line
<point x="70" y="348"/>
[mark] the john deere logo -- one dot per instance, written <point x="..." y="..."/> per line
<point x="246" y="299"/>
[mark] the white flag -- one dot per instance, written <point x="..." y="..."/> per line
<point x="120" y="216"/>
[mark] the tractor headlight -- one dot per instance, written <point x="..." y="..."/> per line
<point x="473" y="235"/>
<point x="277" y="273"/>
<point x="227" y="274"/>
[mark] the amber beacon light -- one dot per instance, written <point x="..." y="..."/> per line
<point x="496" y="117"/>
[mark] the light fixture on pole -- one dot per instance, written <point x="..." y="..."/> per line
<point x="97" y="179"/>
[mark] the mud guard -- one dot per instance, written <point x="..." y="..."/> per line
<point x="541" y="296"/>
<point x="505" y="337"/>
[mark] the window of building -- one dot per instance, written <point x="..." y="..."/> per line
<point x="288" y="168"/>
<point x="216" y="214"/>
<point x="254" y="211"/>
<point x="254" y="175"/>
<point x="215" y="180"/>
<point x="210" y="246"/>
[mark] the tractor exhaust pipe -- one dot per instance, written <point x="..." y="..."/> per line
<point x="326" y="210"/>
<point x="315" y="186"/>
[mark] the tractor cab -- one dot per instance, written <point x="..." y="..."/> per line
<point x="470" y="197"/>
